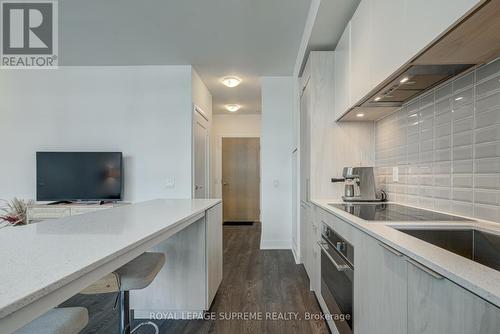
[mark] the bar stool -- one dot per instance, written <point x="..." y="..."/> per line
<point x="68" y="320"/>
<point x="135" y="275"/>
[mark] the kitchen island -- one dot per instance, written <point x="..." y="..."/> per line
<point x="44" y="264"/>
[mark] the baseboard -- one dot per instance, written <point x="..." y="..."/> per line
<point x="296" y="256"/>
<point x="276" y="244"/>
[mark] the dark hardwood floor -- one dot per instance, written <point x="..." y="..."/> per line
<point x="255" y="281"/>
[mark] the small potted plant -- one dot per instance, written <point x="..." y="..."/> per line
<point x="15" y="211"/>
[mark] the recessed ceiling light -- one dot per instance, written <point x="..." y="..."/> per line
<point x="459" y="98"/>
<point x="405" y="79"/>
<point x="232" y="107"/>
<point x="231" y="81"/>
<point x="360" y="115"/>
<point x="378" y="98"/>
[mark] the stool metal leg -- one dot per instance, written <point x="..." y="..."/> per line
<point x="147" y="323"/>
<point x="124" y="313"/>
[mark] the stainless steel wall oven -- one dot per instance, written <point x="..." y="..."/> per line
<point x="337" y="278"/>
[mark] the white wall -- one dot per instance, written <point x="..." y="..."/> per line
<point x="143" y="111"/>
<point x="276" y="162"/>
<point x="229" y="125"/>
<point x="201" y="95"/>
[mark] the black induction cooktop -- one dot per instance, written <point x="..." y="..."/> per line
<point x="393" y="212"/>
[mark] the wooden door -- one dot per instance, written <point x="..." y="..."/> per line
<point x="241" y="179"/>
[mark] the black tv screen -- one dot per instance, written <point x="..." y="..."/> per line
<point x="85" y="176"/>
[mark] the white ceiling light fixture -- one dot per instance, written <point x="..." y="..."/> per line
<point x="378" y="98"/>
<point x="360" y="115"/>
<point x="231" y="81"/>
<point x="233" y="107"/>
<point x="405" y="79"/>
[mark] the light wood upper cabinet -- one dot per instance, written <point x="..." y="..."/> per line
<point x="361" y="51"/>
<point x="342" y="73"/>
<point x="437" y="305"/>
<point x="384" y="35"/>
<point x="425" y="20"/>
<point x="389" y="40"/>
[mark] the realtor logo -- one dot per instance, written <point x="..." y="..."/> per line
<point x="29" y="34"/>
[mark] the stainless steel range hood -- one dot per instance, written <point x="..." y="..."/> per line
<point x="414" y="81"/>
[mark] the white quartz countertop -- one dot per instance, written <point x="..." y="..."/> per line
<point x="39" y="258"/>
<point x="475" y="277"/>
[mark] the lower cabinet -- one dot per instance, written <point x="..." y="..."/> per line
<point x="394" y="294"/>
<point x="380" y="292"/>
<point x="437" y="305"/>
<point x="309" y="250"/>
<point x="214" y="251"/>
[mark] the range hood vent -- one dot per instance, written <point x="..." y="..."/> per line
<point x="414" y="81"/>
<point x="472" y="41"/>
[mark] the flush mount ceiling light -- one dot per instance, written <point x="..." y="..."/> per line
<point x="378" y="98"/>
<point x="360" y="115"/>
<point x="405" y="79"/>
<point x="232" y="107"/>
<point x="231" y="81"/>
<point x="459" y="98"/>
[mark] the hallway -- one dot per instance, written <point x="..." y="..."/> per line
<point x="255" y="282"/>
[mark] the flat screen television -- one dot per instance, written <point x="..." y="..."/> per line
<point x="79" y="176"/>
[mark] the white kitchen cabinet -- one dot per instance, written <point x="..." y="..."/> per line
<point x="214" y="251"/>
<point x="380" y="286"/>
<point x="437" y="305"/>
<point x="388" y="39"/>
<point x="306" y="237"/>
<point x="361" y="51"/>
<point x="427" y="19"/>
<point x="384" y="35"/>
<point x="342" y="73"/>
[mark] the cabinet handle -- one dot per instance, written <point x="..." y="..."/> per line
<point x="390" y="249"/>
<point x="308" y="190"/>
<point x="425" y="269"/>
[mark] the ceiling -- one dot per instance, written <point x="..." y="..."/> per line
<point x="247" y="38"/>
<point x="330" y="22"/>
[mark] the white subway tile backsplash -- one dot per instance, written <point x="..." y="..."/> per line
<point x="443" y="92"/>
<point x="463" y="82"/>
<point x="463" y="167"/>
<point x="487" y="150"/>
<point x="447" y="145"/>
<point x="488" y="103"/>
<point x="463" y="111"/>
<point x="488" y="212"/>
<point x="488" y="87"/>
<point x="463" y="138"/>
<point x="489" y="134"/>
<point x="487" y="197"/>
<point x="488" y="118"/>
<point x="462" y="153"/>
<point x="490" y="69"/>
<point x="462" y="125"/>
<point x="487" y="181"/>
<point x="462" y="208"/>
<point x="485" y="166"/>
<point x="462" y="195"/>
<point x="462" y="181"/>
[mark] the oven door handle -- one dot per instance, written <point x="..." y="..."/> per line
<point x="325" y="247"/>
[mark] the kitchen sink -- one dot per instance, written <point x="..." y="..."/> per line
<point x="479" y="246"/>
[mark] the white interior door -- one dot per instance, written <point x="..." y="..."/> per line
<point x="201" y="156"/>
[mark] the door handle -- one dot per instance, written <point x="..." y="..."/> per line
<point x="225" y="183"/>
<point x="340" y="267"/>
